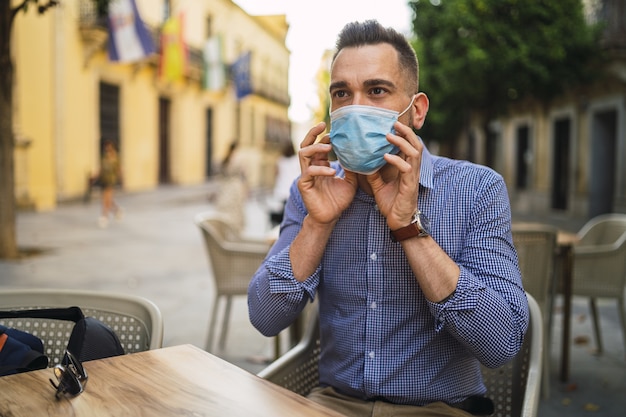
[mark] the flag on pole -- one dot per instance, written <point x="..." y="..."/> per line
<point x="129" y="40"/>
<point x="214" y="77"/>
<point x="173" y="65"/>
<point x="241" y="75"/>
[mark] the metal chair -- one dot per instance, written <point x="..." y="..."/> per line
<point x="514" y="387"/>
<point x="599" y="266"/>
<point x="233" y="260"/>
<point x="536" y="248"/>
<point x="136" y="320"/>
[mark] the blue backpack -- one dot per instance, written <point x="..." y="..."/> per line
<point x="20" y="352"/>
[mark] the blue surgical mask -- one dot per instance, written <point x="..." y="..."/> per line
<point x="358" y="136"/>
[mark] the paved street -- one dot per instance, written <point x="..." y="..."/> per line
<point x="157" y="252"/>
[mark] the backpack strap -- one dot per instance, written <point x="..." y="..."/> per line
<point x="90" y="338"/>
<point x="69" y="314"/>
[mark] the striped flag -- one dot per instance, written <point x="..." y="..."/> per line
<point x="214" y="75"/>
<point x="240" y="71"/>
<point x="129" y="40"/>
<point x="173" y="65"/>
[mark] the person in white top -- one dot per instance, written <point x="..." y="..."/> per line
<point x="287" y="170"/>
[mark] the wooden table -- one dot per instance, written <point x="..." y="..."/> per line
<point x="174" y="381"/>
<point x="565" y="261"/>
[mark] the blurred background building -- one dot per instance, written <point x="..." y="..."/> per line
<point x="205" y="74"/>
<point x="566" y="157"/>
<point x="174" y="121"/>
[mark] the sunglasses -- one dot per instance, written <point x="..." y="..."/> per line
<point x="71" y="377"/>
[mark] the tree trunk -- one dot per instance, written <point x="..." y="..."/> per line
<point x="8" y="238"/>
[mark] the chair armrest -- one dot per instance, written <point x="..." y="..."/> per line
<point x="246" y="247"/>
<point x="596" y="250"/>
<point x="297" y="370"/>
<point x="286" y="363"/>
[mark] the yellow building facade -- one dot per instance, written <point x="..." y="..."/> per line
<point x="69" y="96"/>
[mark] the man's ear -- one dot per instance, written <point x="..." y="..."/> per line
<point x="420" y="109"/>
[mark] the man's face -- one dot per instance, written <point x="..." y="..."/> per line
<point x="369" y="75"/>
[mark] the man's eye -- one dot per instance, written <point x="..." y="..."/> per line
<point x="377" y="90"/>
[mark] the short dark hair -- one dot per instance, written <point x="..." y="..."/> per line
<point x="370" y="32"/>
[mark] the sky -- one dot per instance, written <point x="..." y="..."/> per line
<point x="313" y="28"/>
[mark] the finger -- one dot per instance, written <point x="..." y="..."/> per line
<point x="314" y="155"/>
<point x="312" y="135"/>
<point x="312" y="152"/>
<point x="405" y="139"/>
<point x="405" y="132"/>
<point x="317" y="151"/>
<point x="399" y="162"/>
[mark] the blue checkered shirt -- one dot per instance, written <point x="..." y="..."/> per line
<point x="380" y="337"/>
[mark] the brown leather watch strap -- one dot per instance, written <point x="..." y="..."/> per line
<point x="407" y="232"/>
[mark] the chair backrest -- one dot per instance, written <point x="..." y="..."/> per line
<point x="604" y="229"/>
<point x="536" y="246"/>
<point x="514" y="387"/>
<point x="233" y="259"/>
<point x="136" y="321"/>
<point x="600" y="257"/>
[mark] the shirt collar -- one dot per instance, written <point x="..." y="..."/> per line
<point x="427" y="168"/>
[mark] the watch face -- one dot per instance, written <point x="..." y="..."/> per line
<point x="424" y="223"/>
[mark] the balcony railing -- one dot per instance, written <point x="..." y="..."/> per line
<point x="94" y="31"/>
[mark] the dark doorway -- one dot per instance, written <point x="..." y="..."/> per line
<point x="560" y="163"/>
<point x="109" y="117"/>
<point x="164" y="140"/>
<point x="471" y="148"/>
<point x="522" y="157"/>
<point x="209" y="142"/>
<point x="603" y="162"/>
<point x="491" y="148"/>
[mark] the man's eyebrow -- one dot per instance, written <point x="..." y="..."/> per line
<point x="337" y="84"/>
<point x="378" y="81"/>
<point x="368" y="83"/>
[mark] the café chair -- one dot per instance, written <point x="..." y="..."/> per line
<point x="232" y="260"/>
<point x="137" y="321"/>
<point x="536" y="248"/>
<point x="514" y="387"/>
<point x="599" y="266"/>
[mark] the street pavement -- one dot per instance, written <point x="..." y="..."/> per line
<point x="157" y="252"/>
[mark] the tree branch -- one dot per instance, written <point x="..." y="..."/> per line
<point x="51" y="3"/>
<point x="18" y="9"/>
<point x="22" y="6"/>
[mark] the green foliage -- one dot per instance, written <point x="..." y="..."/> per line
<point x="485" y="54"/>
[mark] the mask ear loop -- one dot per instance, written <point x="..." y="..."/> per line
<point x="408" y="107"/>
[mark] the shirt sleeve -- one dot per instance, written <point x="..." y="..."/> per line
<point x="275" y="297"/>
<point x="488" y="312"/>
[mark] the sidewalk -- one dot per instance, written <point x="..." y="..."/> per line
<point x="157" y="252"/>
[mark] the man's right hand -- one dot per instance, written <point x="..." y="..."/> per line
<point x="325" y="195"/>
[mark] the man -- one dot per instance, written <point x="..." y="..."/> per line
<point x="410" y="254"/>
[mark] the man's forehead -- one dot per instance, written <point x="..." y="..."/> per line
<point x="368" y="65"/>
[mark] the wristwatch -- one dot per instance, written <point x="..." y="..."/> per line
<point x="419" y="227"/>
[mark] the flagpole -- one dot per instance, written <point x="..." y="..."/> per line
<point x="239" y="121"/>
